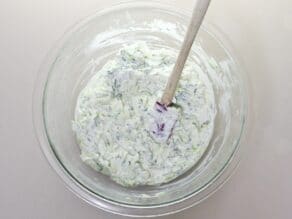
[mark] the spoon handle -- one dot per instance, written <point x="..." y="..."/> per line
<point x="197" y="17"/>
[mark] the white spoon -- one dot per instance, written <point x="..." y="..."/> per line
<point x="165" y="117"/>
<point x="197" y="17"/>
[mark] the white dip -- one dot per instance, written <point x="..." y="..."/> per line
<point x="115" y="115"/>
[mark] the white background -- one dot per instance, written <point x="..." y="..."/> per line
<point x="261" y="32"/>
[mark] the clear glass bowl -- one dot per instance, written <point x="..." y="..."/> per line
<point x="84" y="49"/>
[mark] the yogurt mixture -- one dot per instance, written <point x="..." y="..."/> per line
<point x="116" y="120"/>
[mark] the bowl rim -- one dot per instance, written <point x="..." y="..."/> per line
<point x="101" y="202"/>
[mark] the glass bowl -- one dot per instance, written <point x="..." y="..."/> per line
<point x="83" y="50"/>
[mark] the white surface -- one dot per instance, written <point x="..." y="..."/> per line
<point x="261" y="187"/>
